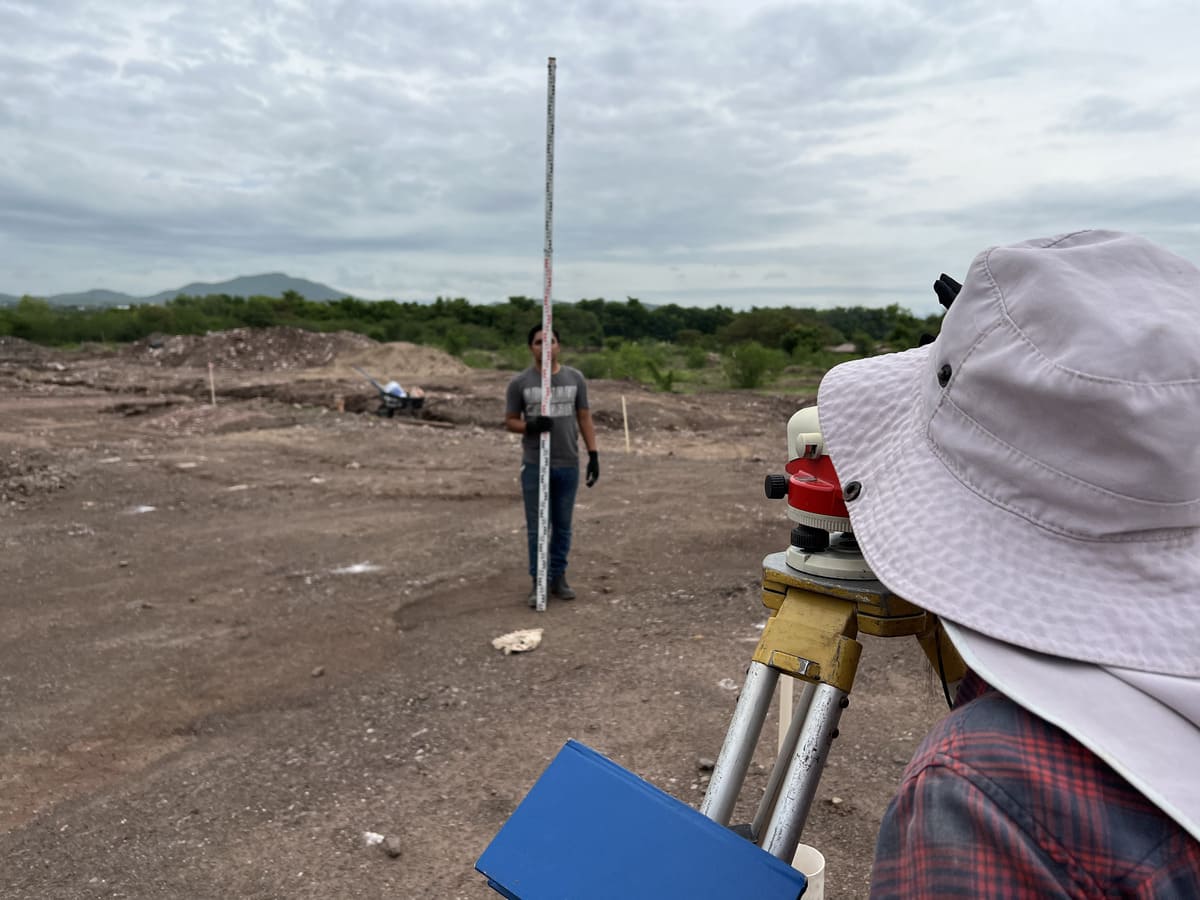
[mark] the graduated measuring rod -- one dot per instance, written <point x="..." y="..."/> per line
<point x="543" y="537"/>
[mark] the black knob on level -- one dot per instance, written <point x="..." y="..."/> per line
<point x="776" y="487"/>
<point x="809" y="539"/>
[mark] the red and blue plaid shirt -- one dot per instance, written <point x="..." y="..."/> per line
<point x="998" y="803"/>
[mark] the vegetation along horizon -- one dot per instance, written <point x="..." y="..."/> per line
<point x="671" y="347"/>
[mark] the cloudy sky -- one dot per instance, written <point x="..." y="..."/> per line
<point x="707" y="151"/>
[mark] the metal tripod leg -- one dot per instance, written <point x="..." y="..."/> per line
<point x="797" y="772"/>
<point x="787" y="749"/>
<point x="804" y="772"/>
<point x="781" y="815"/>
<point x="740" y="741"/>
<point x="811" y="636"/>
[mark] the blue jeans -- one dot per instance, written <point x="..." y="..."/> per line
<point x="564" y="482"/>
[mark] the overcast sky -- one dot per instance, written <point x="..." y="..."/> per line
<point x="745" y="153"/>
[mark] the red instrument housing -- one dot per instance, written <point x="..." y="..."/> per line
<point x="813" y="487"/>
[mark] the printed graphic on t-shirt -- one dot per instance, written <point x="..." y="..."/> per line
<point x="562" y="400"/>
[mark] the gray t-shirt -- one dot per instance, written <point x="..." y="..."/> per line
<point x="568" y="394"/>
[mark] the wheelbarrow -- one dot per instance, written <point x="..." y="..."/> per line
<point x="393" y="401"/>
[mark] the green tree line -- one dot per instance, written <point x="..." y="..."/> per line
<point x="456" y="325"/>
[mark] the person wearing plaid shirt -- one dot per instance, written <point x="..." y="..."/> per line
<point x="999" y="803"/>
<point x="1031" y="477"/>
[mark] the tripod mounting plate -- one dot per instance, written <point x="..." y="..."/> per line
<point x="879" y="611"/>
<point x="831" y="563"/>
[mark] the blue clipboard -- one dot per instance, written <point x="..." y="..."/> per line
<point x="588" y="829"/>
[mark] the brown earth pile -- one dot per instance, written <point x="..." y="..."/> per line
<point x="331" y="355"/>
<point x="18" y="350"/>
<point x="260" y="349"/>
<point x="397" y="360"/>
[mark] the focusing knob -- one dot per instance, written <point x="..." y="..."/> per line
<point x="776" y="487"/>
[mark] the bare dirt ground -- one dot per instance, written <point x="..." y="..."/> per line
<point x="237" y="638"/>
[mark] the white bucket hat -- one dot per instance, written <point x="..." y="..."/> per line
<point x="1033" y="477"/>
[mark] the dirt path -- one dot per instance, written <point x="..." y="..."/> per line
<point x="237" y="638"/>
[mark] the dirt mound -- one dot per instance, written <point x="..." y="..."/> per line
<point x="398" y="360"/>
<point x="250" y="349"/>
<point x="19" y="350"/>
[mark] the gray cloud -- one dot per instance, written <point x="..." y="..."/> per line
<point x="1151" y="206"/>
<point x="1105" y="113"/>
<point x="704" y="153"/>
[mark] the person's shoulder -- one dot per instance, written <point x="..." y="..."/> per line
<point x="522" y="376"/>
<point x="993" y="739"/>
<point x="573" y="372"/>
<point x="988" y="724"/>
<point x="1042" y="778"/>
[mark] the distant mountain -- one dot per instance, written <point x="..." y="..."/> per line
<point x="273" y="284"/>
<point x="92" y="298"/>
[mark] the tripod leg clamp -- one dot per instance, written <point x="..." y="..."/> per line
<point x="812" y="637"/>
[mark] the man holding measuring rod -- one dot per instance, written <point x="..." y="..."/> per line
<point x="569" y="418"/>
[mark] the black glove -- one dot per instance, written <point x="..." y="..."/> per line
<point x="593" y="467"/>
<point x="538" y="424"/>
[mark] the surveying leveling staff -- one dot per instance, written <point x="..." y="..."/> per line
<point x="569" y="417"/>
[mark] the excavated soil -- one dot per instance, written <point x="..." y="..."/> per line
<point x="246" y="646"/>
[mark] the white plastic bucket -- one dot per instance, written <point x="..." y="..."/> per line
<point x="811" y="862"/>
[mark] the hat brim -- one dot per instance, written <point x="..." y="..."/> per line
<point x="941" y="545"/>
<point x="1102" y="710"/>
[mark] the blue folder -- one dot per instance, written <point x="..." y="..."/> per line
<point x="589" y="829"/>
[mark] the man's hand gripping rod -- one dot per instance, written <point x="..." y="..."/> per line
<point x="820" y="594"/>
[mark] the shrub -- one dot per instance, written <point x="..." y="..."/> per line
<point x="454" y="343"/>
<point x="593" y="365"/>
<point x="477" y="359"/>
<point x="514" y="356"/>
<point x="750" y="364"/>
<point x="664" y="379"/>
<point x="695" y="357"/>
